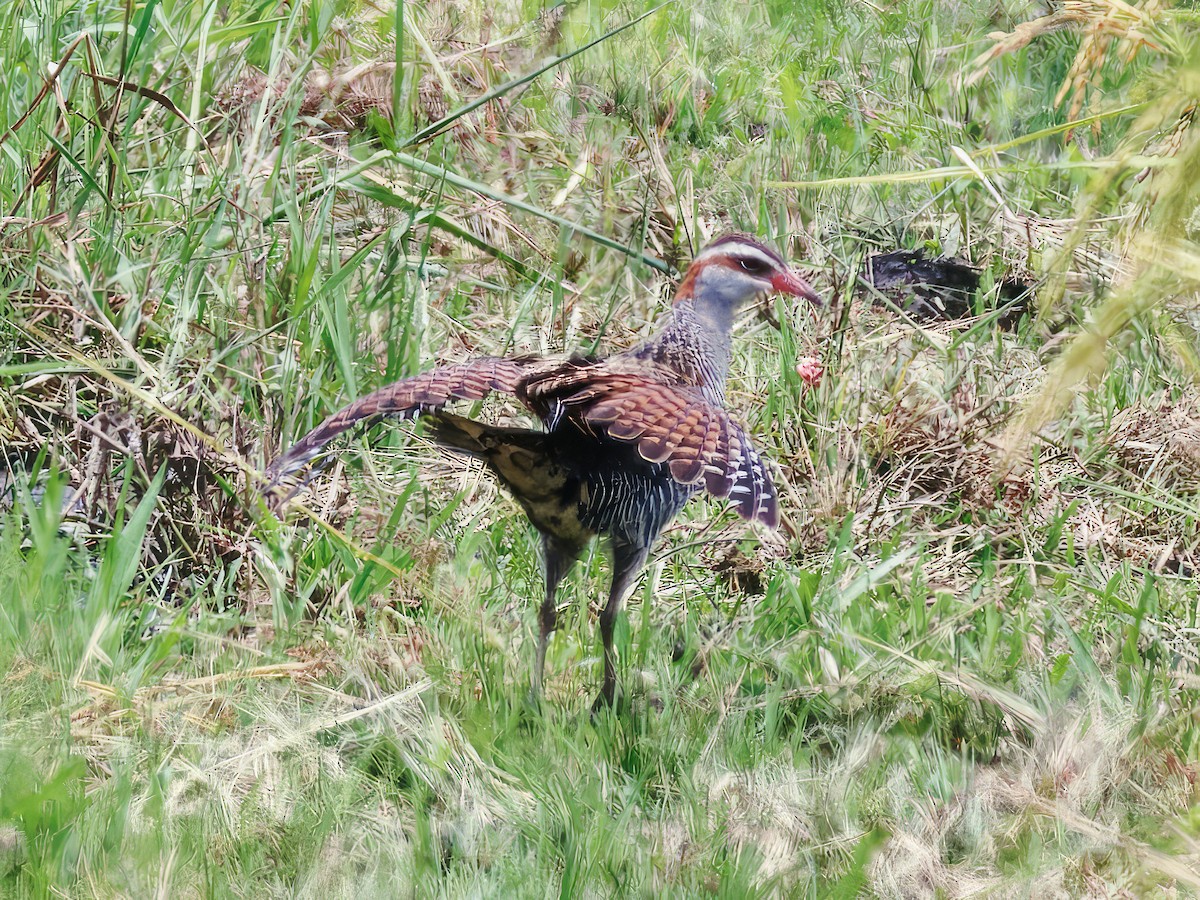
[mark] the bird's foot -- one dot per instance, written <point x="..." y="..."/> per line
<point x="654" y="702"/>
<point x="600" y="705"/>
<point x="533" y="700"/>
<point x="607" y="700"/>
<point x="637" y="700"/>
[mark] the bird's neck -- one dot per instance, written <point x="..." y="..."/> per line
<point x="694" y="342"/>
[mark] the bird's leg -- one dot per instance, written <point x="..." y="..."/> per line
<point x="547" y="620"/>
<point x="628" y="561"/>
<point x="558" y="562"/>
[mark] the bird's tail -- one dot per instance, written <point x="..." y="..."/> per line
<point x="459" y="433"/>
<point x="480" y="439"/>
<point x="529" y="462"/>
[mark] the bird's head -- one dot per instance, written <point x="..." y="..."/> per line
<point x="735" y="270"/>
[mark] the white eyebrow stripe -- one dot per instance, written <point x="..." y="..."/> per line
<point x="739" y="251"/>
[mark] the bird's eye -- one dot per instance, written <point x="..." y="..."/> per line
<point x="753" y="266"/>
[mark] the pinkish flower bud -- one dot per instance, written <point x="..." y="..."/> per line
<point x="810" y="370"/>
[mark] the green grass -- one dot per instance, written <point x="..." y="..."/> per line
<point x="966" y="665"/>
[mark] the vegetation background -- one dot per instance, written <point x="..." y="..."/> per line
<point x="966" y="665"/>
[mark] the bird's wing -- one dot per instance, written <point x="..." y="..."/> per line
<point x="409" y="397"/>
<point x="676" y="426"/>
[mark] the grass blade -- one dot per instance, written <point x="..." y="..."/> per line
<point x="450" y="118"/>
<point x="436" y="171"/>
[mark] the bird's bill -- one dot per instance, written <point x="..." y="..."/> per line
<point x="791" y="283"/>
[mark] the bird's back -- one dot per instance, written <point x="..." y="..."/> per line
<point x="621" y="493"/>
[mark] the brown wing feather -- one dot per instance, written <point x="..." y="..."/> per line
<point x="407" y="398"/>
<point x="675" y="425"/>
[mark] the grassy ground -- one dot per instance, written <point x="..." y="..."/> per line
<point x="966" y="664"/>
